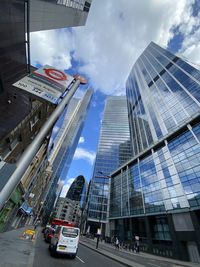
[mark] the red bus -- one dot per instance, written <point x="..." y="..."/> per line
<point x="50" y="230"/>
<point x="62" y="222"/>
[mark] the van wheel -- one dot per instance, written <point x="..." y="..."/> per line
<point x="52" y="253"/>
<point x="73" y="256"/>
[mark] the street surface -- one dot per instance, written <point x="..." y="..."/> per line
<point x="85" y="257"/>
<point x="15" y="251"/>
<point x="18" y="251"/>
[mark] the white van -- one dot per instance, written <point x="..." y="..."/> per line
<point x="65" y="241"/>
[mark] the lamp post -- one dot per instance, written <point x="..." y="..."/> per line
<point x="99" y="231"/>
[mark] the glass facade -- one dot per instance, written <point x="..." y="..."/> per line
<point x="78" y="190"/>
<point x="166" y="179"/>
<point x="65" y="144"/>
<point x="66" y="141"/>
<point x="163" y="93"/>
<point x="113" y="150"/>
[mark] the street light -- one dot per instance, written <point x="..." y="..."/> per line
<point x="99" y="231"/>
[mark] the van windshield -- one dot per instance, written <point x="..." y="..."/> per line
<point x="70" y="232"/>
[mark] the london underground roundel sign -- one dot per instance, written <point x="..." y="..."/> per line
<point x="56" y="74"/>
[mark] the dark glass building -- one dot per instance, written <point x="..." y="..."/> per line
<point x="113" y="150"/>
<point x="14" y="104"/>
<point x="78" y="190"/>
<point x="56" y="14"/>
<point x="156" y="195"/>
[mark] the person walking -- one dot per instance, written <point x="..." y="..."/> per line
<point x="37" y="223"/>
<point x="117" y="243"/>
<point x="137" y="244"/>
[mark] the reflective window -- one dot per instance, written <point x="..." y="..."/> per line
<point x="167" y="179"/>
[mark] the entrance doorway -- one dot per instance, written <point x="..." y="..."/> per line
<point x="193" y="252"/>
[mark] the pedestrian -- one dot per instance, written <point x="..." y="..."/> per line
<point x="117" y="243"/>
<point x="137" y="244"/>
<point x="36" y="224"/>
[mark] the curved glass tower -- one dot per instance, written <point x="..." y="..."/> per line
<point x="78" y="190"/>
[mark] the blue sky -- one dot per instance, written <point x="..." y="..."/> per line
<point x="104" y="50"/>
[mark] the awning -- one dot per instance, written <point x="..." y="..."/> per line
<point x="26" y="208"/>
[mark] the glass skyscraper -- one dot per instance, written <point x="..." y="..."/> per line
<point x="78" y="190"/>
<point x="113" y="150"/>
<point x="65" y="144"/>
<point x="157" y="194"/>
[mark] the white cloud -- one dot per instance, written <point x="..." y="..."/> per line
<point x="52" y="48"/>
<point x="112" y="44"/>
<point x="66" y="187"/>
<point x="115" y="35"/>
<point x="191" y="32"/>
<point x="84" y="154"/>
<point x="81" y="140"/>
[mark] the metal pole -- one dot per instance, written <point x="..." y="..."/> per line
<point x="32" y="149"/>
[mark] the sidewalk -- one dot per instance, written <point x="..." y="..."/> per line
<point x="15" y="251"/>
<point x="129" y="258"/>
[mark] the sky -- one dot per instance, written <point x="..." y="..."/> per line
<point x="105" y="49"/>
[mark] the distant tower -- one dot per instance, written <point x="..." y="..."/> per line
<point x="114" y="149"/>
<point x="77" y="188"/>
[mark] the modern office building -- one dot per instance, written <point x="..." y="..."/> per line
<point x="68" y="136"/>
<point x="56" y="14"/>
<point x="65" y="145"/>
<point x="156" y="195"/>
<point x="113" y="150"/>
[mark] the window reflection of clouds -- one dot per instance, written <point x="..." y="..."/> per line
<point x="172" y="175"/>
<point x="183" y="151"/>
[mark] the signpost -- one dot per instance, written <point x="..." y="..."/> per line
<point x="31" y="84"/>
<point x="47" y="83"/>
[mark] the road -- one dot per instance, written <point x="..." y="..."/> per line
<point x="85" y="257"/>
<point x="137" y="260"/>
<point x="90" y="258"/>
